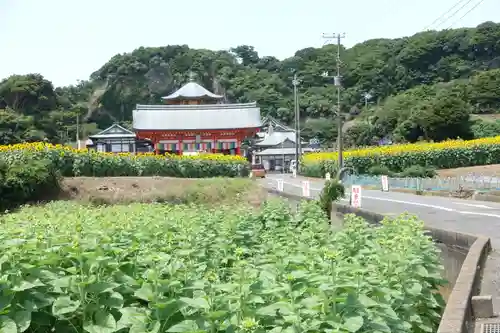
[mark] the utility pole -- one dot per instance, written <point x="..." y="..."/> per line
<point x="338" y="84"/>
<point x="367" y="96"/>
<point x="295" y="83"/>
<point x="78" y="130"/>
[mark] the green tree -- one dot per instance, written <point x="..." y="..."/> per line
<point x="445" y="116"/>
<point x="29" y="94"/>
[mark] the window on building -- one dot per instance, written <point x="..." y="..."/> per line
<point x="119" y="146"/>
<point x="116" y="147"/>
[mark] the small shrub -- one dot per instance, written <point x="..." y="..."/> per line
<point x="332" y="191"/>
<point x="418" y="171"/>
<point x="24" y="181"/>
<point x="380" y="170"/>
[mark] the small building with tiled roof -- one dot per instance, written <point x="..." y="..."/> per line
<point x="194" y="119"/>
<point x="115" y="139"/>
<point x="276" y="145"/>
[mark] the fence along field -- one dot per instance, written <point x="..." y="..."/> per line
<point x="438" y="183"/>
<point x="396" y="158"/>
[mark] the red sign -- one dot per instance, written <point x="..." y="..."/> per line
<point x="356" y="196"/>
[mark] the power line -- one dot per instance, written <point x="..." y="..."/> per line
<point x="444" y="14"/>
<point x="456" y="12"/>
<point x="470" y="10"/>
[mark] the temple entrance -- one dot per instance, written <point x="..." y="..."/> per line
<point x="171" y="152"/>
<point x="224" y="151"/>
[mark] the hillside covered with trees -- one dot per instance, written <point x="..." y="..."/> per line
<point x="433" y="86"/>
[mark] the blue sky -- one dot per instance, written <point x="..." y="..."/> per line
<point x="66" y="40"/>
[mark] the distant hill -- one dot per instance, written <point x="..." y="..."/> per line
<point x="421" y="87"/>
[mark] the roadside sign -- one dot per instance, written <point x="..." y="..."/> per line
<point x="306" y="191"/>
<point x="385" y="183"/>
<point x="294" y="173"/>
<point x="280" y="185"/>
<point x="327" y="176"/>
<point x="356" y="196"/>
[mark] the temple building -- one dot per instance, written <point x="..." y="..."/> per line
<point x="193" y="120"/>
<point x="275" y="146"/>
<point x="114" y="139"/>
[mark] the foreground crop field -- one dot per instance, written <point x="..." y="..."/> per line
<point x="440" y="155"/>
<point x="73" y="163"/>
<point x="160" y="268"/>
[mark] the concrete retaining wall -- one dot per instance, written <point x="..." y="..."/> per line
<point x="457" y="316"/>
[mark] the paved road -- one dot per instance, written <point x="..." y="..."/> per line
<point x="447" y="213"/>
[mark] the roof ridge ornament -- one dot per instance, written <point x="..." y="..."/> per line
<point x="192" y="90"/>
<point x="192" y="76"/>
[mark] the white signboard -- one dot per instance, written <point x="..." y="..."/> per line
<point x="280" y="185"/>
<point x="356" y="196"/>
<point x="294" y="173"/>
<point x="385" y="183"/>
<point x="306" y="191"/>
<point x="327" y="176"/>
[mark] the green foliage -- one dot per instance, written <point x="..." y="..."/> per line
<point x="415" y="171"/>
<point x="484" y="128"/>
<point x="161" y="268"/>
<point x="380" y="170"/>
<point x="320" y="169"/>
<point x="454" y="157"/>
<point x="332" y="191"/>
<point x="466" y="59"/>
<point x="76" y="163"/>
<point x="431" y="112"/>
<point x="418" y="171"/>
<point x="26" y="180"/>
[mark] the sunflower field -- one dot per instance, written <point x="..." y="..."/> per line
<point x="73" y="163"/>
<point x="175" y="268"/>
<point x="439" y="155"/>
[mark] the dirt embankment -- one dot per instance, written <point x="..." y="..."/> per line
<point x="480" y="170"/>
<point x="123" y="190"/>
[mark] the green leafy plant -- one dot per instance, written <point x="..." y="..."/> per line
<point x="398" y="157"/>
<point x="418" y="171"/>
<point x="379" y="170"/>
<point x="23" y="181"/>
<point x="161" y="268"/>
<point x="332" y="191"/>
<point x="75" y="163"/>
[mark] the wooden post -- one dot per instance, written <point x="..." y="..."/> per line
<point x="238" y="145"/>
<point x="180" y="143"/>
<point x="156" y="139"/>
